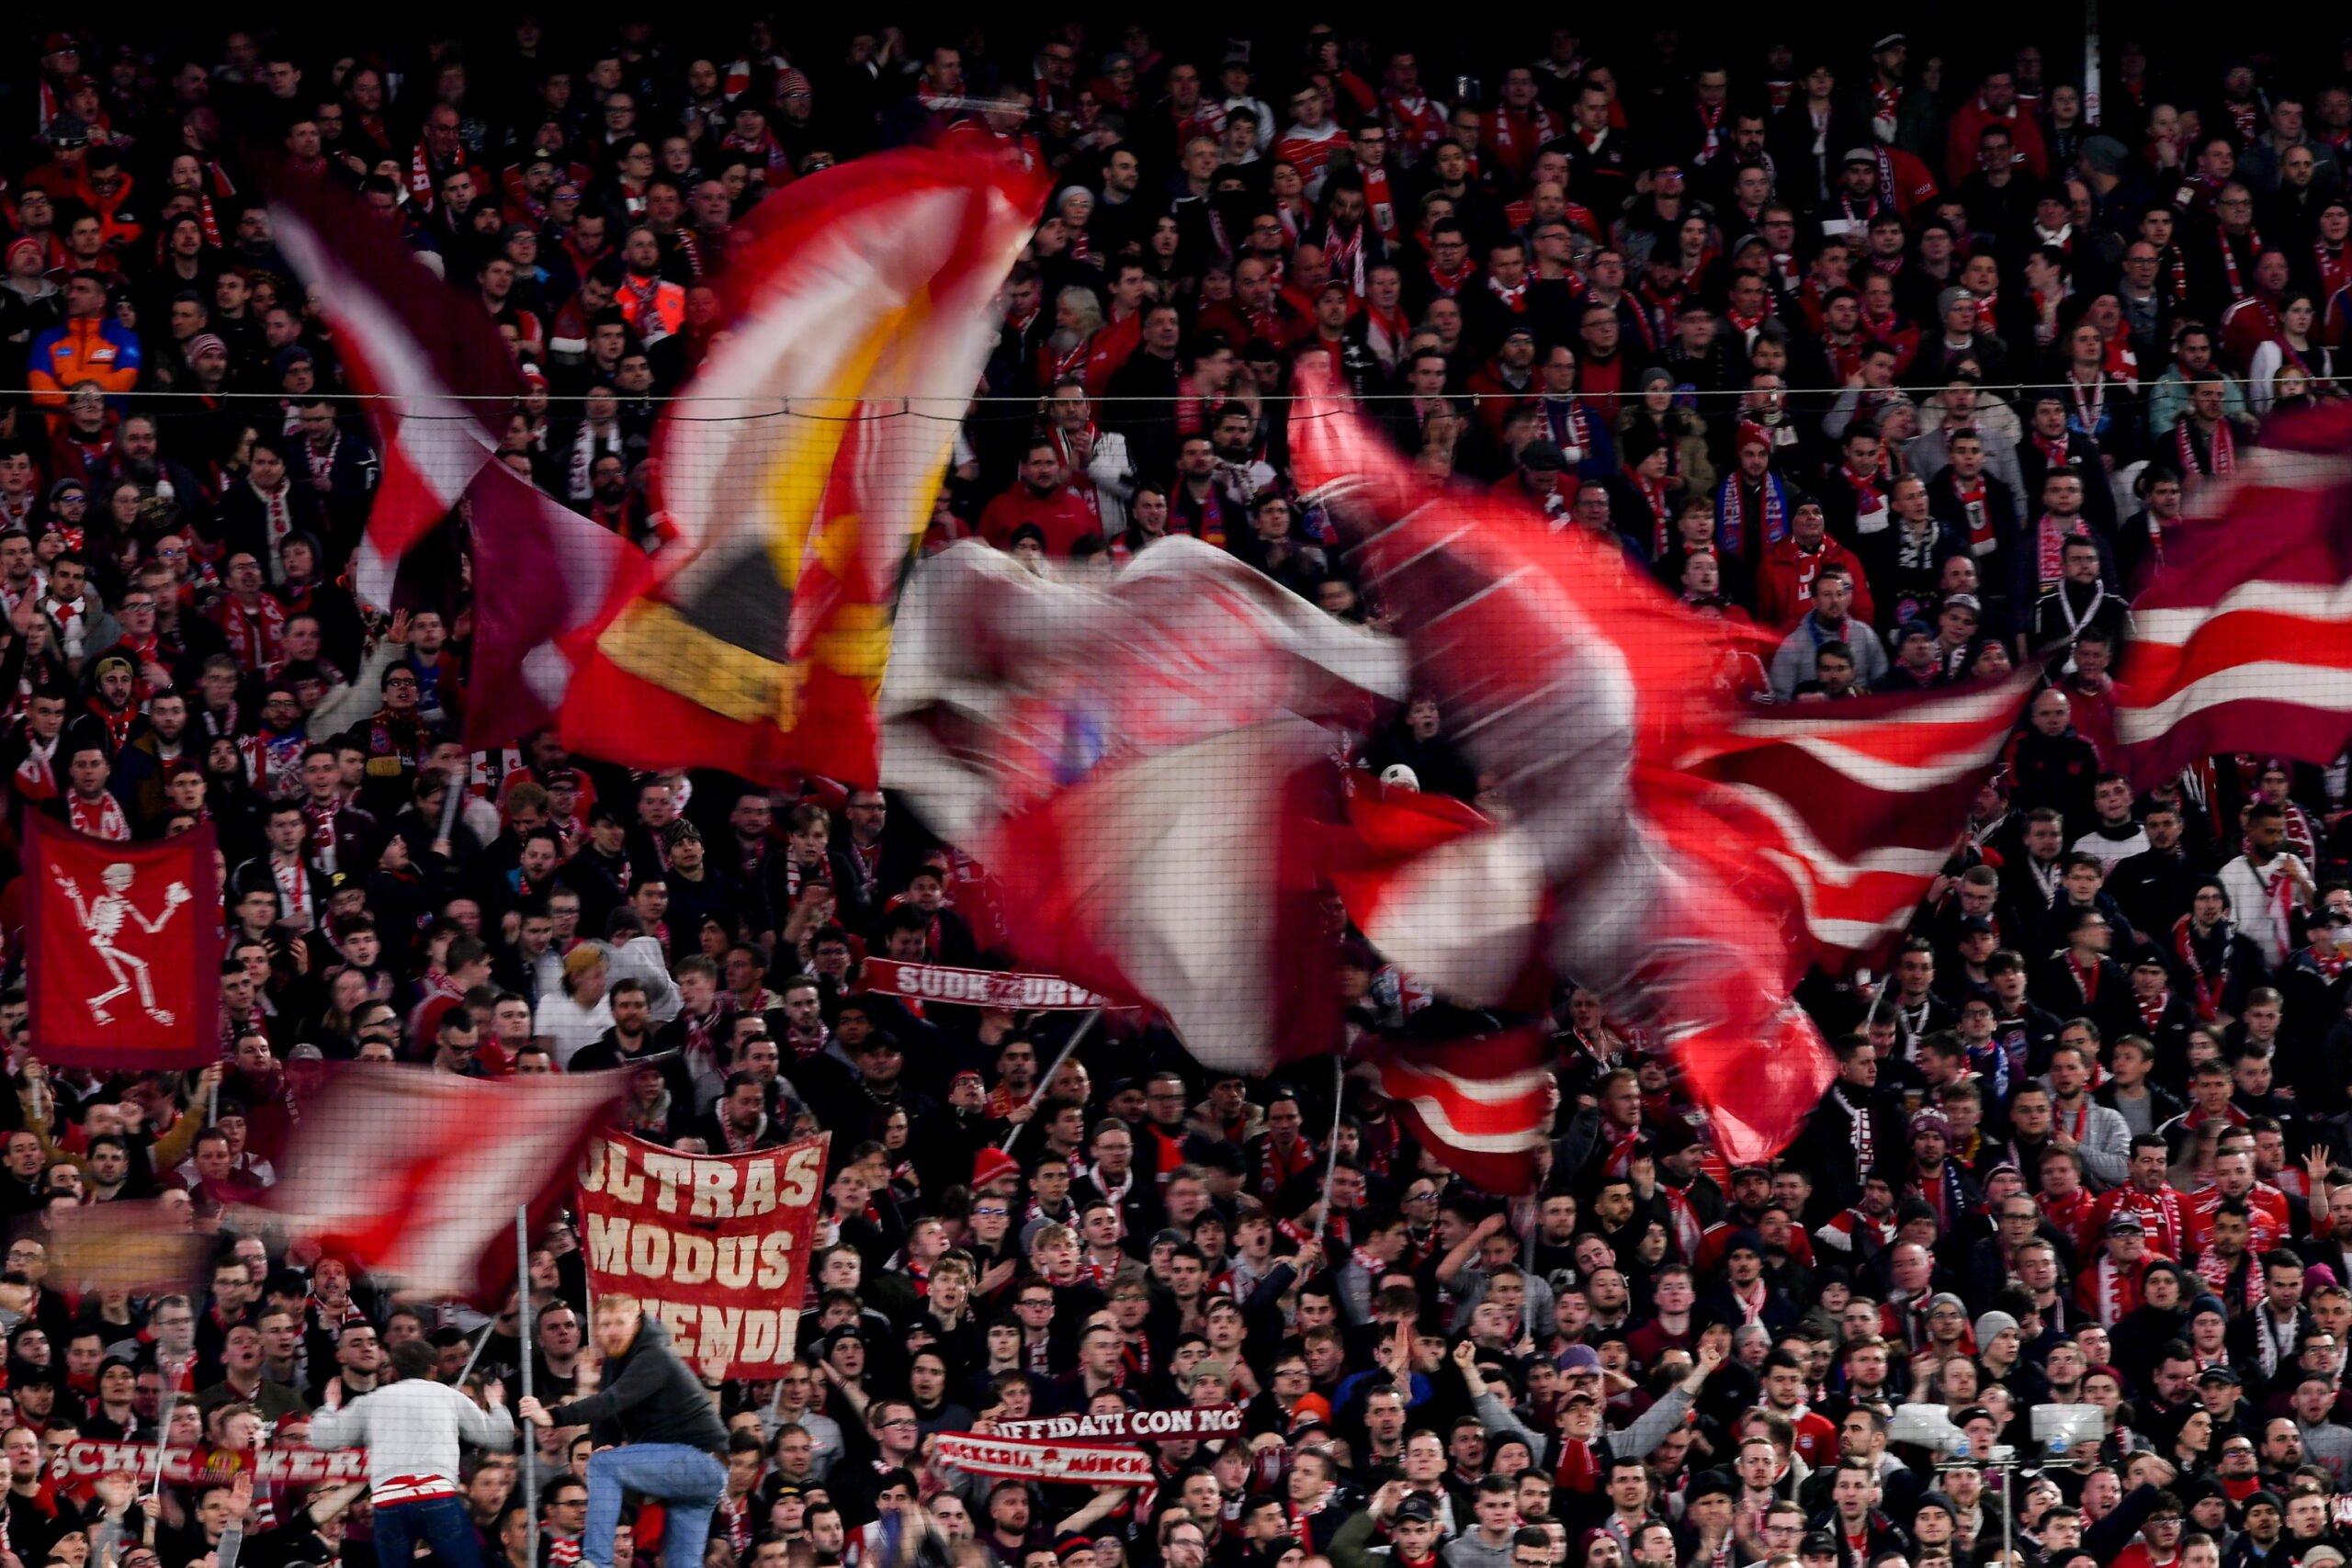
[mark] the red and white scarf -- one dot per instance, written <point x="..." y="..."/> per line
<point x="1981" y="538"/>
<point x="1869" y="500"/>
<point x="277" y="518"/>
<point x="1654" y="496"/>
<point x="2224" y="446"/>
<point x="100" y="818"/>
<point x="2237" y="285"/>
<point x="2205" y="988"/>
<point x="1710" y="133"/>
<point x="36" y="776"/>
<point x="2050" y="546"/>
<point x="2335" y="267"/>
<point x="1379" y="202"/>
<point x="1451" y="283"/>
<point x="1541" y="127"/>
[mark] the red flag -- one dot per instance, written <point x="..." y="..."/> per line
<point x="799" y="480"/>
<point x="414" y="1174"/>
<point x="1856" y="804"/>
<point x="1569" y="675"/>
<point x="1167" y="879"/>
<point x="124" y="969"/>
<point x="1478" y="1103"/>
<point x="1120" y="752"/>
<point x="2242" y="640"/>
<point x="439" y="378"/>
<point x="541" y="572"/>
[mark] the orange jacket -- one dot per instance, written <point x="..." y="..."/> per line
<point x="84" y="348"/>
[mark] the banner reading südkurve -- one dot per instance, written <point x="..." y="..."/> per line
<point x="716" y="1246"/>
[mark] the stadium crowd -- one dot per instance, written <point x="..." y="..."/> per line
<point x="1900" y="356"/>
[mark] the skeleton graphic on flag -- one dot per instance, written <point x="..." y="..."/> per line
<point x="102" y="919"/>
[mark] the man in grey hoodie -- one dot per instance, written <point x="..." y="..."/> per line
<point x="666" y="1435"/>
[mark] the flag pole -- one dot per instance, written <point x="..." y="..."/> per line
<point x="170" y="1367"/>
<point x="1338" y="1109"/>
<point x="468" y="1369"/>
<point x="523" y="1331"/>
<point x="1077" y="1037"/>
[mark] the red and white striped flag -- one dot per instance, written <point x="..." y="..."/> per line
<point x="1567" y="673"/>
<point x="2242" y="640"/>
<point x="437" y="381"/>
<point x="1856" y="804"/>
<point x="1175" y="880"/>
<point x="415" y="1175"/>
<point x="1479" y="1102"/>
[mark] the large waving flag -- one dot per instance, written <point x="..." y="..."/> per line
<point x="800" y="477"/>
<point x="391" y="1170"/>
<point x="437" y="381"/>
<point x="1856" y="804"/>
<point x="1569" y="676"/>
<point x="2242" y="640"/>
<point x="542" y="572"/>
<point x="1130" y="757"/>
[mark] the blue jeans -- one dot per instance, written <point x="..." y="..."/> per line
<point x="441" y="1523"/>
<point x="688" y="1479"/>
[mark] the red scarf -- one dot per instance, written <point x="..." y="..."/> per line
<point x="1653" y="494"/>
<point x="2238" y="290"/>
<point x="2335" y="267"/>
<point x="1711" y="128"/>
<point x="1980" y="516"/>
<point x="2176" y="274"/>
<point x="1515" y="298"/>
<point x="2121" y="362"/>
<point x="1379" y="202"/>
<point x="100" y="818"/>
<point x="2225" y="444"/>
<point x="2205" y="989"/>
<point x="118" y="724"/>
<point x="1987" y="307"/>
<point x="2049" y="544"/>
<point x="2086" y="980"/>
<point x="1450" y="283"/>
<point x="1886" y="101"/>
<point x="1345" y="254"/>
<point x="1869" y="500"/>
<point x="1541" y="127"/>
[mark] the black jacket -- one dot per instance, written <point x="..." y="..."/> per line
<point x="649" y="1396"/>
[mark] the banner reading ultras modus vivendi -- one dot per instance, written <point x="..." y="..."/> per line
<point x="716" y="1246"/>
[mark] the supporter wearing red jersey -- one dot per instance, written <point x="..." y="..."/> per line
<point x="1784" y="581"/>
<point x="2234" y="1178"/>
<point x="2148" y="1194"/>
<point x="1040" y="500"/>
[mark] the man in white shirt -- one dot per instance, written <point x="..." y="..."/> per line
<point x="2264" y="885"/>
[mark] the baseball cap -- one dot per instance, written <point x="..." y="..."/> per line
<point x="1417" y="1507"/>
<point x="1580" y="1358"/>
<point x="1818" y="1543"/>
